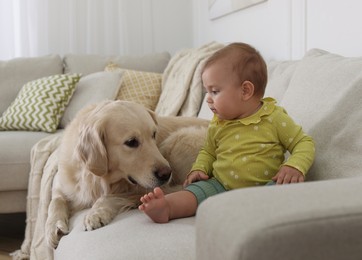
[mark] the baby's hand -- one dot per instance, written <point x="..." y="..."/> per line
<point x="195" y="176"/>
<point x="287" y="175"/>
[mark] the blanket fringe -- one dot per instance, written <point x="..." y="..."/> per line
<point x="19" y="255"/>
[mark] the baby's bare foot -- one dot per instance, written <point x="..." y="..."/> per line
<point x="155" y="205"/>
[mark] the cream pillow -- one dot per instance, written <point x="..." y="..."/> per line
<point x="279" y="76"/>
<point x="91" y="89"/>
<point x="324" y="96"/>
<point x="40" y="104"/>
<point x="139" y="86"/>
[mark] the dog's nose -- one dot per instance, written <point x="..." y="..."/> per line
<point x="163" y="174"/>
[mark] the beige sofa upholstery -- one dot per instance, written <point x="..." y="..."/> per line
<point x="15" y="146"/>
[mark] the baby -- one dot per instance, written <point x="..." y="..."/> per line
<point x="246" y="139"/>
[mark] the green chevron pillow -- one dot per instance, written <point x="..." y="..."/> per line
<point x="40" y="104"/>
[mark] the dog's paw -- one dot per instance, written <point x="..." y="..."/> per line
<point x="54" y="231"/>
<point x="97" y="218"/>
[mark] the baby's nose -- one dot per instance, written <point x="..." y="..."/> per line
<point x="208" y="98"/>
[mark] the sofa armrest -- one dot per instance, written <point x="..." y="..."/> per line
<point x="313" y="220"/>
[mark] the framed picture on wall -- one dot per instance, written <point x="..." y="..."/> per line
<point x="218" y="8"/>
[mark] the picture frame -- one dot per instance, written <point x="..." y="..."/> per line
<point x="219" y="8"/>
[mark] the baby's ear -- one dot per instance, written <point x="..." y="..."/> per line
<point x="247" y="89"/>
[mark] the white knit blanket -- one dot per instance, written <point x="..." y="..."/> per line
<point x="181" y="95"/>
<point x="44" y="166"/>
<point x="181" y="83"/>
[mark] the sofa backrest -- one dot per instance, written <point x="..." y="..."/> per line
<point x="279" y="75"/>
<point x="87" y="64"/>
<point x="16" y="72"/>
<point x="324" y="95"/>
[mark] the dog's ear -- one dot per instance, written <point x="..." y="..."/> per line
<point x="153" y="115"/>
<point x="91" y="149"/>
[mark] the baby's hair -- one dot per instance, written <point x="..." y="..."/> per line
<point x="246" y="62"/>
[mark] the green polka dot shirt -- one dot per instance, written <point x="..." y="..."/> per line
<point x="249" y="151"/>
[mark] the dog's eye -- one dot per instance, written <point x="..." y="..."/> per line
<point x="154" y="135"/>
<point x="133" y="143"/>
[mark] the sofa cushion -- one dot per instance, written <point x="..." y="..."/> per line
<point x="91" y="89"/>
<point x="87" y="64"/>
<point x="139" y="86"/>
<point x="16" y="72"/>
<point x="324" y="96"/>
<point x="122" y="238"/>
<point x="279" y="75"/>
<point x="15" y="158"/>
<point x="40" y="104"/>
<point x="312" y="220"/>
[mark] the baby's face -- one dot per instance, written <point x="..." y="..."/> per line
<point x="224" y="92"/>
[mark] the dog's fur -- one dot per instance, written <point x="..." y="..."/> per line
<point x="111" y="154"/>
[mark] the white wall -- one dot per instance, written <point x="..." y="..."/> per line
<point x="173" y="24"/>
<point x="286" y="29"/>
<point x="336" y="27"/>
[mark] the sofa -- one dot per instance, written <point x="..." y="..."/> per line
<point x="318" y="219"/>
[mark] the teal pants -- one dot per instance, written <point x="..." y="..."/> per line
<point x="204" y="189"/>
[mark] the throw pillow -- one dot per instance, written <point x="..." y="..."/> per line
<point x="324" y="96"/>
<point x="91" y="89"/>
<point x="40" y="104"/>
<point x="139" y="86"/>
<point x="279" y="76"/>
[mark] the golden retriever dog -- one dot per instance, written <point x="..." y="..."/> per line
<point x="111" y="154"/>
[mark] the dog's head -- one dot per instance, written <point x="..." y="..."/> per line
<point x="117" y="140"/>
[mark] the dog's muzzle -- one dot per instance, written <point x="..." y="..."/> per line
<point x="131" y="180"/>
<point x="163" y="174"/>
